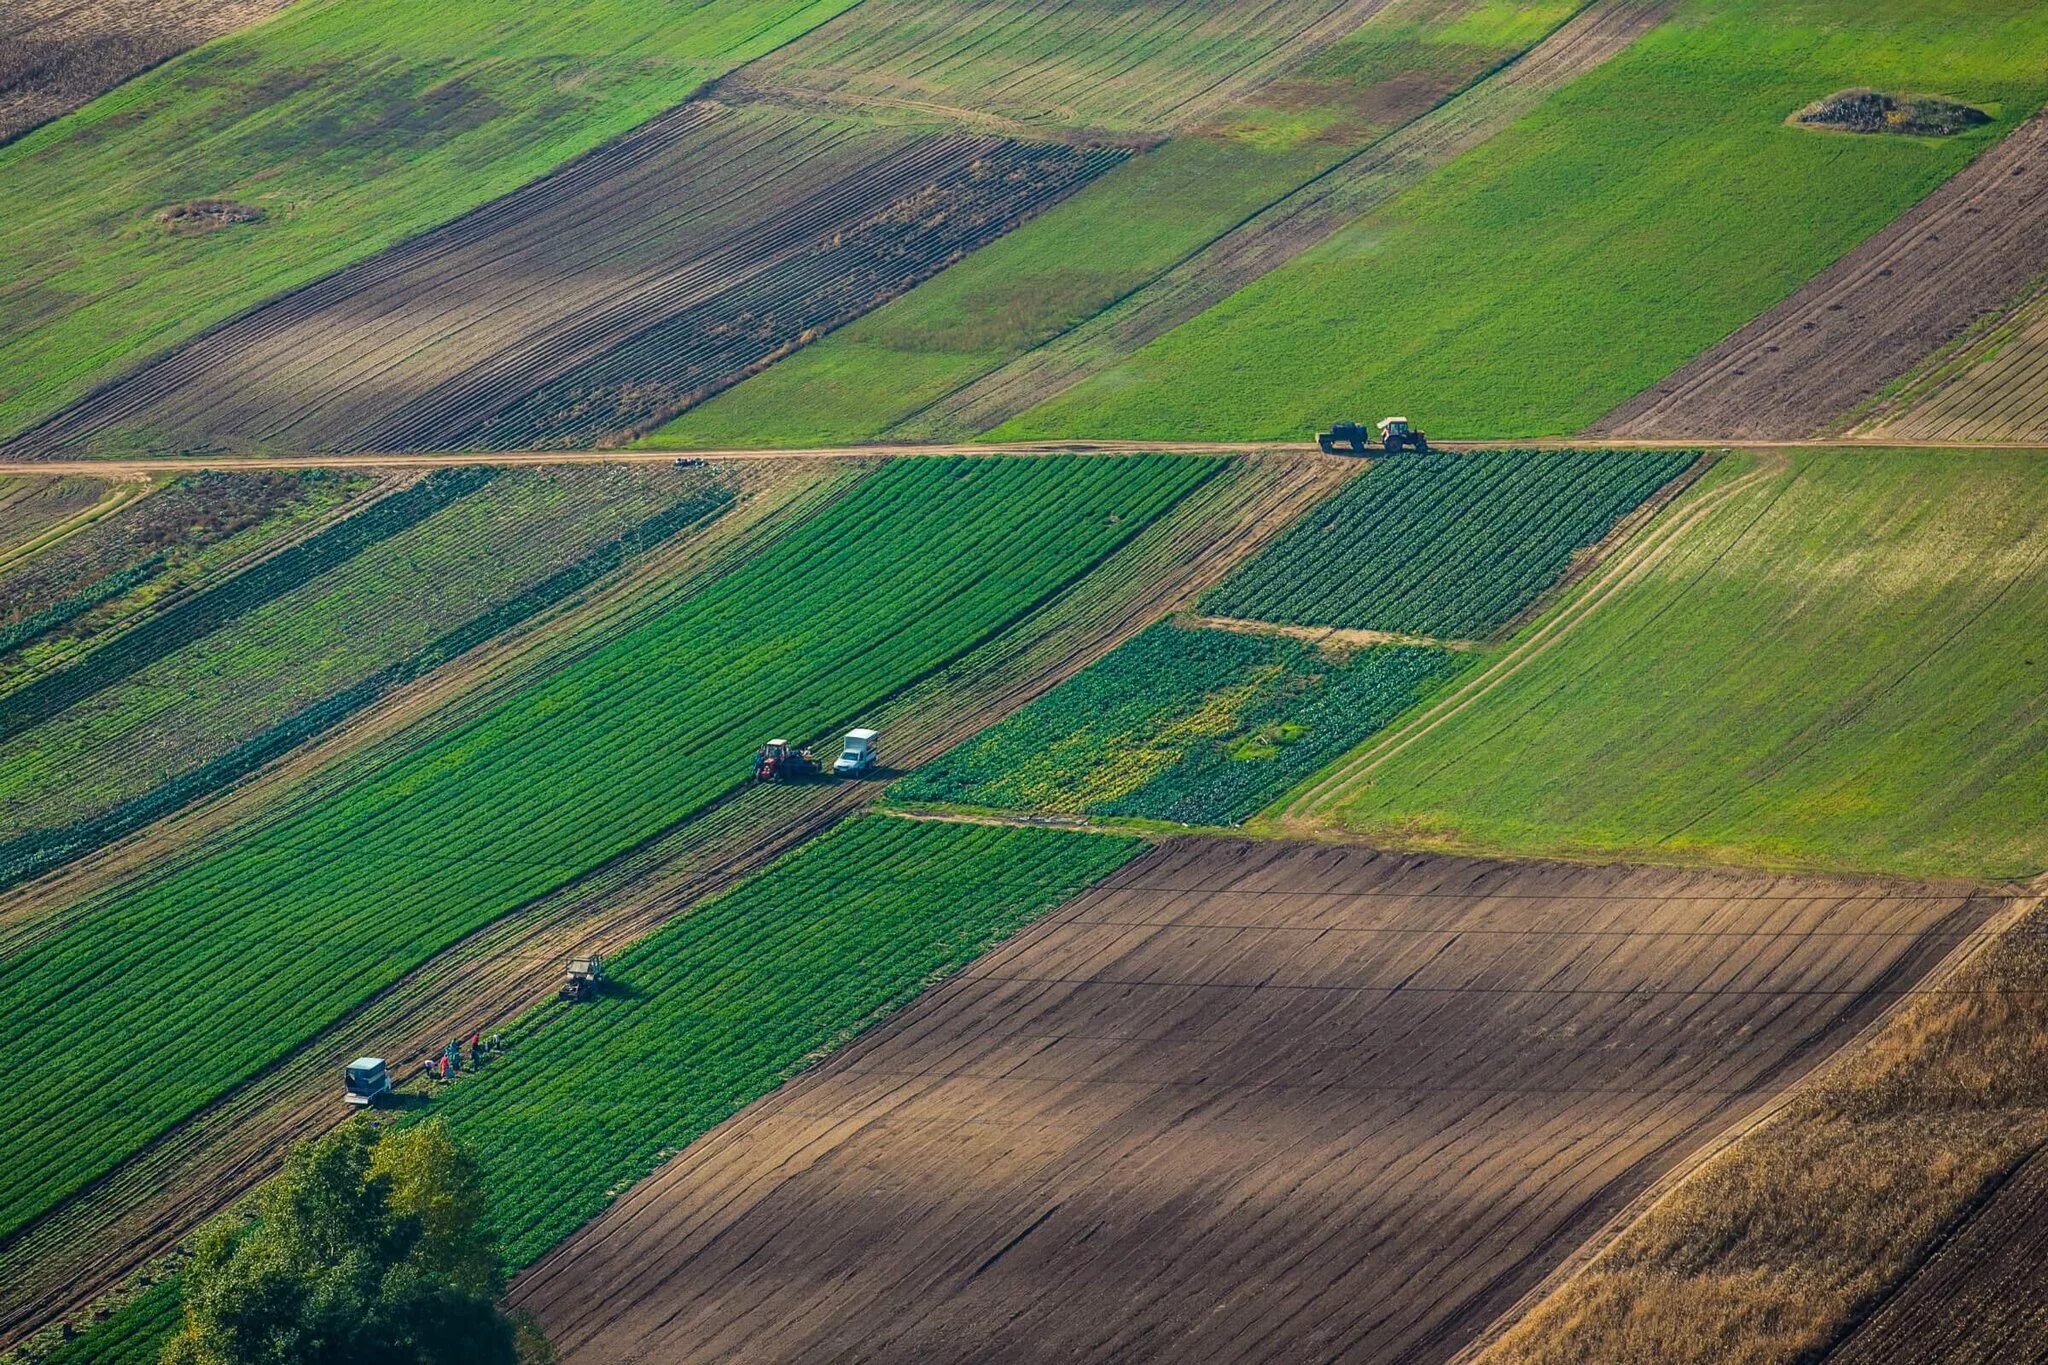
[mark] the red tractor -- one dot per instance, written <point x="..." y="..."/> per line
<point x="780" y="761"/>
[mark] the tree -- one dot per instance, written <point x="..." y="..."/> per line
<point x="368" y="1248"/>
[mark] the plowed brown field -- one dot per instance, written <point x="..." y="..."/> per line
<point x="1959" y="257"/>
<point x="663" y="266"/>
<point x="1980" y="1300"/>
<point x="1246" y="1101"/>
<point x="57" y="54"/>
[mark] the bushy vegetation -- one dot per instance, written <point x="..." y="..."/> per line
<point x="1838" y="666"/>
<point x="743" y="992"/>
<point x="1633" y="220"/>
<point x="1452" y="546"/>
<point x="220" y="966"/>
<point x="1201" y="727"/>
<point x="351" y="124"/>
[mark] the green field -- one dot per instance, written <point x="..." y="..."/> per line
<point x="1450" y="546"/>
<point x="352" y="124"/>
<point x="1839" y="666"/>
<point x="308" y="657"/>
<point x="220" y="967"/>
<point x="743" y="992"/>
<point x="1637" y="217"/>
<point x="1121" y="232"/>
<point x="1198" y="727"/>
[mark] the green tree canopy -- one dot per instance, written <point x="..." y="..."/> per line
<point x="368" y="1248"/>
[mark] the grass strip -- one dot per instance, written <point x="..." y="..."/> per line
<point x="32" y="628"/>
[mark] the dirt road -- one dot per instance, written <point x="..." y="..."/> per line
<point x="1244" y="1102"/>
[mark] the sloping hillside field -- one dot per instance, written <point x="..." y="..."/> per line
<point x="220" y="966"/>
<point x="1243" y="1102"/>
<point x="1824" y="659"/>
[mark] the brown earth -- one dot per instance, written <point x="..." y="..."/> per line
<point x="1993" y="385"/>
<point x="1290" y="226"/>
<point x="1245" y="1101"/>
<point x="88" y="1245"/>
<point x="655" y="271"/>
<point x="57" y="54"/>
<point x="1980" y="1299"/>
<point x="1957" y="258"/>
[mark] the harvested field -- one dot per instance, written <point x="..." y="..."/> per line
<point x="30" y="507"/>
<point x="1244" y="1101"/>
<point x="202" y="1166"/>
<point x="661" y="268"/>
<point x="1942" y="269"/>
<point x="57" y="54"/>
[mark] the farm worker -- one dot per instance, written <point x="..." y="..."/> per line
<point x="428" y="1064"/>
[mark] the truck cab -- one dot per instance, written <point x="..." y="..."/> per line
<point x="857" y="755"/>
<point x="364" y="1081"/>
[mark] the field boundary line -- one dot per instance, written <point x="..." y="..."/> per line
<point x="1981" y="940"/>
<point x="1596" y="589"/>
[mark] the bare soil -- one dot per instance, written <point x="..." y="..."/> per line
<point x="1960" y="256"/>
<point x="1245" y="1102"/>
<point x="89" y="1245"/>
<point x="57" y="54"/>
<point x="633" y="282"/>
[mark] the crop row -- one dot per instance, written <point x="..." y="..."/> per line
<point x="206" y="612"/>
<point x="42" y="849"/>
<point x="1193" y="726"/>
<point x="721" y="1007"/>
<point x="218" y="968"/>
<point x="1444" y="545"/>
<point x="322" y="637"/>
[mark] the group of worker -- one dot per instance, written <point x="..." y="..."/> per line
<point x="445" y="1066"/>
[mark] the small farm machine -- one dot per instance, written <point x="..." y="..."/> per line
<point x="364" y="1081"/>
<point x="781" y="761"/>
<point x="584" y="979"/>
<point x="1395" y="435"/>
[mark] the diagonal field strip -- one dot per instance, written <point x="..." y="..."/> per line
<point x="88" y="1245"/>
<point x="1961" y="255"/>
<point x="664" y="266"/>
<point x="1293" y="225"/>
<point x="1186" y="1119"/>
<point x="1993" y="388"/>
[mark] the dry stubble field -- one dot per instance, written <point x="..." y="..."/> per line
<point x="1246" y="1101"/>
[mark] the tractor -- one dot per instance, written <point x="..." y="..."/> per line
<point x="584" y="979"/>
<point x="781" y="761"/>
<point x="1352" y="438"/>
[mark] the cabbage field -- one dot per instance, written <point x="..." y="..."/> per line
<point x="221" y="966"/>
<point x="1449" y="546"/>
<point x="1200" y="727"/>
<point x="726" y="1003"/>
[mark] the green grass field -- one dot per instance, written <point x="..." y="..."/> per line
<point x="1122" y="231"/>
<point x="219" y="967"/>
<point x="351" y="124"/>
<point x="1638" y="216"/>
<point x="1840" y="666"/>
<point x="1197" y="727"/>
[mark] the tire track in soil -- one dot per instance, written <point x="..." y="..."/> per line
<point x="1290" y="226"/>
<point x="1217" y="1135"/>
<point x="87" y="1246"/>
<point x="1957" y="258"/>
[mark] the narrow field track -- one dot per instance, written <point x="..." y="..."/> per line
<point x="1955" y="260"/>
<point x="660" y="268"/>
<point x="57" y="54"/>
<point x="1245" y="1102"/>
<point x="86" y="1247"/>
<point x="1291" y="226"/>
